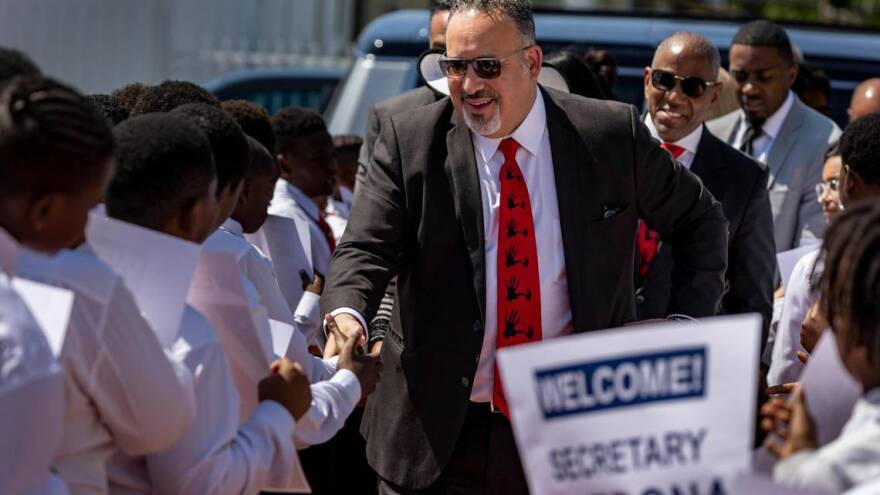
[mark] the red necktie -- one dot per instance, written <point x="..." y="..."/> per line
<point x="648" y="241"/>
<point x="328" y="232"/>
<point x="519" y="289"/>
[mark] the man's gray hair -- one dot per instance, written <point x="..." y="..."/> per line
<point x="697" y="44"/>
<point x="520" y="11"/>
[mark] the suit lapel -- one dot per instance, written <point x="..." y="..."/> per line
<point x="784" y="141"/>
<point x="571" y="162"/>
<point x="461" y="171"/>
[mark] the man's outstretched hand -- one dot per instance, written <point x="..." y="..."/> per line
<point x="344" y="326"/>
<point x="366" y="367"/>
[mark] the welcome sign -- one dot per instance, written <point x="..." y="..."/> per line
<point x="659" y="409"/>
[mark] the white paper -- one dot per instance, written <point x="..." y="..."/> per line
<point x="787" y="260"/>
<point x="8" y="253"/>
<point x="696" y="407"/>
<point x="831" y="392"/>
<point x="281" y="239"/>
<point x="281" y="335"/>
<point x="157" y="268"/>
<point x="50" y="306"/>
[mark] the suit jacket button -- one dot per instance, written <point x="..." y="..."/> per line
<point x="477" y="326"/>
<point x="465" y="382"/>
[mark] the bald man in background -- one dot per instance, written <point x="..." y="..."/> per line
<point x="865" y="99"/>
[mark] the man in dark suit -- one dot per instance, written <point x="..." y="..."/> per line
<point x="509" y="214"/>
<point x="680" y="88"/>
<point x="415" y="98"/>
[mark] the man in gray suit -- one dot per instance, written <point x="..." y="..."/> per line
<point x="775" y="127"/>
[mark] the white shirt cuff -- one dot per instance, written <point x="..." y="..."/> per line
<point x="350" y="383"/>
<point x="308" y="308"/>
<point x="356" y="314"/>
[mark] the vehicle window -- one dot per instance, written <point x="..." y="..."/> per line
<point x="369" y="81"/>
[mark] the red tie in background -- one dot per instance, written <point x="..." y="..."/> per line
<point x="519" y="288"/>
<point x="328" y="232"/>
<point x="647" y="240"/>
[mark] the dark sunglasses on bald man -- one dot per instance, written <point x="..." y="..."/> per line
<point x="484" y="67"/>
<point x="693" y="87"/>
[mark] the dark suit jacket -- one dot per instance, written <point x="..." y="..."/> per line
<point x="740" y="184"/>
<point x="418" y="216"/>
<point x="415" y="98"/>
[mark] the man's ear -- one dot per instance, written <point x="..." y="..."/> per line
<point x="534" y="57"/>
<point x="793" y="73"/>
<point x="715" y="92"/>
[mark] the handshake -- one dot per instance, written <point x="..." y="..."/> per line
<point x="288" y="383"/>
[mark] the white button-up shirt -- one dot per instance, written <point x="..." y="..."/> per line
<point x="289" y="201"/>
<point x="119" y="382"/>
<point x="334" y="393"/>
<point x="31" y="400"/>
<point x="785" y="367"/>
<point x="536" y="163"/>
<point x="689" y="143"/>
<point x="764" y="143"/>
<point x="216" y="455"/>
<point x="852" y="459"/>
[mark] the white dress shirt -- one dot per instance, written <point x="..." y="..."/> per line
<point x="217" y="455"/>
<point x="853" y="458"/>
<point x="122" y="391"/>
<point x="257" y="269"/>
<point x="689" y="143"/>
<point x="535" y="162"/>
<point x="334" y="393"/>
<point x="31" y="401"/>
<point x="764" y="143"/>
<point x="785" y="367"/>
<point x="336" y="216"/>
<point x="289" y="201"/>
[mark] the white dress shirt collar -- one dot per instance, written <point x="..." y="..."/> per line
<point x="233" y="227"/>
<point x="690" y="143"/>
<point x="286" y="190"/>
<point x="528" y="134"/>
<point x="774" y="122"/>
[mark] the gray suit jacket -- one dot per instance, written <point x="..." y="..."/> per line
<point x="795" y="162"/>
<point x="419" y="215"/>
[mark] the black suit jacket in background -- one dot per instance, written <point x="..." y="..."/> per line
<point x="740" y="184"/>
<point x="419" y="215"/>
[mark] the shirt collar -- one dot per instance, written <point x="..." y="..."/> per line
<point x="286" y="190"/>
<point x="689" y="142"/>
<point x="528" y="134"/>
<point x="233" y="227"/>
<point x="774" y="122"/>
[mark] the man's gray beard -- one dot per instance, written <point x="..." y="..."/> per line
<point x="484" y="127"/>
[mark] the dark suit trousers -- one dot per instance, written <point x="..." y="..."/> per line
<point x="485" y="460"/>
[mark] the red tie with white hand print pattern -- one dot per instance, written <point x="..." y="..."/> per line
<point x="519" y="289"/>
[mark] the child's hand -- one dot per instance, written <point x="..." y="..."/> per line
<point x="792" y="423"/>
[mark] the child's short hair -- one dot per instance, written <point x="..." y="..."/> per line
<point x="128" y="95"/>
<point x="850" y="282"/>
<point x="109" y="107"/>
<point x="228" y="143"/>
<point x="171" y="94"/>
<point x="14" y="63"/>
<point x="294" y="123"/>
<point x="164" y="164"/>
<point x="51" y="138"/>
<point x="860" y="147"/>
<point x="254" y="121"/>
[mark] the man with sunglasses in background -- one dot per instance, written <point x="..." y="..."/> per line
<point x="509" y="212"/>
<point x="775" y="127"/>
<point x="680" y="88"/>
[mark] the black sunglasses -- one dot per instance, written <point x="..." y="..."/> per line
<point x="484" y="67"/>
<point x="693" y="86"/>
